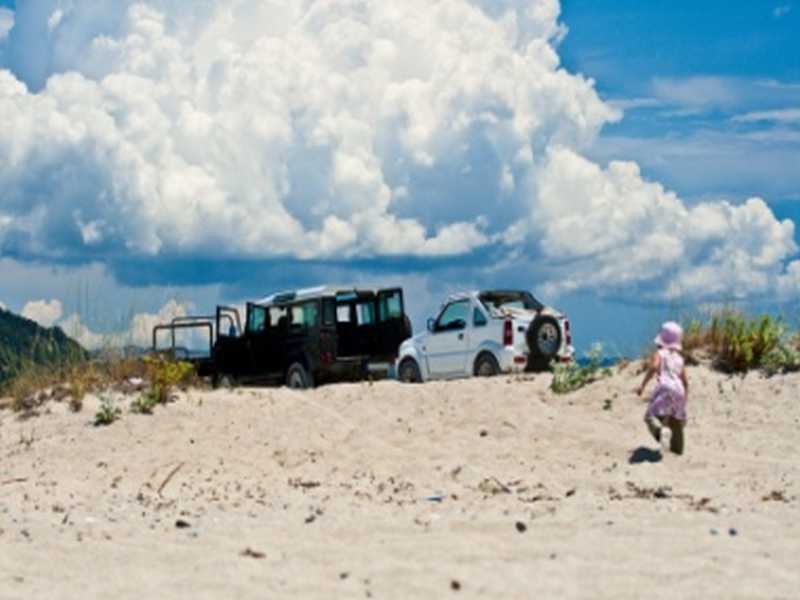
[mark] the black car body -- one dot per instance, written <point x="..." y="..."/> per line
<point x="306" y="337"/>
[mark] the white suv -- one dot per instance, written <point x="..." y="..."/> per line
<point x="486" y="333"/>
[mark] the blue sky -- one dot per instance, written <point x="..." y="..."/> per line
<point x="695" y="68"/>
<point x="526" y="195"/>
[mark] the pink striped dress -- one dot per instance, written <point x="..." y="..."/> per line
<point x="669" y="395"/>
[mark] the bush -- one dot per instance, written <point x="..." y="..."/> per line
<point x="164" y="375"/>
<point x="568" y="377"/>
<point x="738" y="343"/>
<point x="37" y="385"/>
<point x="785" y="358"/>
<point x="145" y="403"/>
<point x="107" y="413"/>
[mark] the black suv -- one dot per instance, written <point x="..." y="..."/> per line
<point x="306" y="337"/>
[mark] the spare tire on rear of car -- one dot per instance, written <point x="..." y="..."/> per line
<point x="544" y="340"/>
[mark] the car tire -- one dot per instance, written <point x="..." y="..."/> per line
<point x="298" y="377"/>
<point x="486" y="366"/>
<point x="223" y="380"/>
<point x="409" y="371"/>
<point x="544" y="340"/>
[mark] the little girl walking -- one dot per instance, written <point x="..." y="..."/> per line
<point x="666" y="412"/>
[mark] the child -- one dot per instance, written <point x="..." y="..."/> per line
<point x="666" y="412"/>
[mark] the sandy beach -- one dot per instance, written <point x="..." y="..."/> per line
<point x="475" y="488"/>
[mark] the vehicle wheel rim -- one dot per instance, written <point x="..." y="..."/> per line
<point x="548" y="339"/>
<point x="407" y="375"/>
<point x="485" y="369"/>
<point x="296" y="381"/>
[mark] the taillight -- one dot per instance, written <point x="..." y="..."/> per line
<point x="567" y="332"/>
<point x="508" y="333"/>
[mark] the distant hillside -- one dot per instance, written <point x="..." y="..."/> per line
<point x="24" y="343"/>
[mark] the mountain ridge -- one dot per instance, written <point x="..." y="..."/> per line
<point x="25" y="344"/>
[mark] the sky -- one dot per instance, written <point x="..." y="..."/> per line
<point x="629" y="162"/>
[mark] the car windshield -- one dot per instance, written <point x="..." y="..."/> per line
<point x="510" y="300"/>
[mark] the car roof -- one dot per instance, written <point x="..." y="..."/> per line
<point x="328" y="291"/>
<point x="477" y="293"/>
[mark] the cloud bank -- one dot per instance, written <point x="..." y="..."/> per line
<point x="341" y="130"/>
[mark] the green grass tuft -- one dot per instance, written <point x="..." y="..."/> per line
<point x="568" y="377"/>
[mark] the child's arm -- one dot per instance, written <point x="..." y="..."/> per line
<point x="655" y="363"/>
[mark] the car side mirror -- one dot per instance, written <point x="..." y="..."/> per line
<point x="431" y="324"/>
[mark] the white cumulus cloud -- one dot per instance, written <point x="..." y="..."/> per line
<point x="43" y="312"/>
<point x="138" y="332"/>
<point x="344" y="129"/>
<point x="257" y="129"/>
<point x="611" y="229"/>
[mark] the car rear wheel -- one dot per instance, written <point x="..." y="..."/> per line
<point x="409" y="371"/>
<point x="486" y="366"/>
<point x="223" y="380"/>
<point x="298" y="378"/>
<point x="544" y="340"/>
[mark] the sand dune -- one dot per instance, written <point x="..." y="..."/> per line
<point x="494" y="488"/>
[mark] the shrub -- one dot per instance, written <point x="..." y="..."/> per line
<point x="738" y="343"/>
<point x="568" y="377"/>
<point x="784" y="358"/>
<point x="107" y="413"/>
<point x="164" y="375"/>
<point x="145" y="403"/>
<point x="27" y="389"/>
<point x="36" y="385"/>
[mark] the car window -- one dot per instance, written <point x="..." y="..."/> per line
<point x="365" y="313"/>
<point x="343" y="313"/>
<point x="305" y="315"/>
<point x="257" y="320"/>
<point x="278" y="318"/>
<point x="390" y="307"/>
<point x="329" y="311"/>
<point x="454" y="316"/>
<point x="478" y="319"/>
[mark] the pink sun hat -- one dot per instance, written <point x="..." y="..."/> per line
<point x="670" y="336"/>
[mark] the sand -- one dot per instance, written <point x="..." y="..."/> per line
<point x="474" y="488"/>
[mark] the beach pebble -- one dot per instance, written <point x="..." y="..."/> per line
<point x="181" y="524"/>
<point x="521" y="527"/>
<point x="455" y="585"/>
<point x="714" y="532"/>
<point x="732" y="532"/>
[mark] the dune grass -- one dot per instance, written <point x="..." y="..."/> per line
<point x="737" y="343"/>
<point x="571" y="376"/>
<point x="36" y="385"/>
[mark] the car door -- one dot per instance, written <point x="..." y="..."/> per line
<point x="258" y="342"/>
<point x="448" y="342"/>
<point x="392" y="327"/>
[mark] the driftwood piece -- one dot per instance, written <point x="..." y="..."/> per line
<point x="169" y="478"/>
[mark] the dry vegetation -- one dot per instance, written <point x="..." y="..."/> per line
<point x="153" y="378"/>
<point x="737" y="343"/>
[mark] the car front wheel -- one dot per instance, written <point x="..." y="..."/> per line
<point x="298" y="378"/>
<point x="409" y="371"/>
